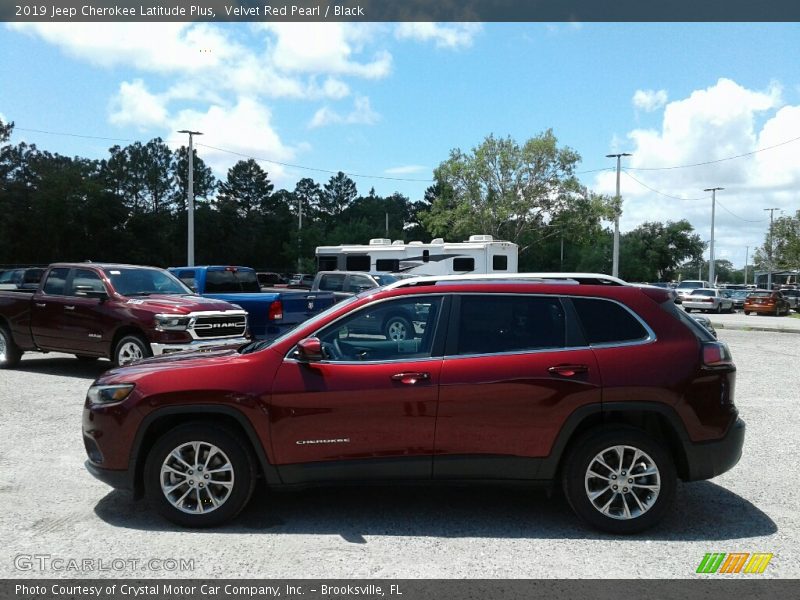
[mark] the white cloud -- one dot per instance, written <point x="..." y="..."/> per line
<point x="723" y="120"/>
<point x="135" y="105"/>
<point x="452" y="35"/>
<point x="406" y="170"/>
<point x="244" y="128"/>
<point x="362" y="114"/>
<point x="649" y="100"/>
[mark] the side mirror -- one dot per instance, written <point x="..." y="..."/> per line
<point x="90" y="292"/>
<point x="309" y="350"/>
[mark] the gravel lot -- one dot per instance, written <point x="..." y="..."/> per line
<point x="52" y="506"/>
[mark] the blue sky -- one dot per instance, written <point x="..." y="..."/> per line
<point x="391" y="100"/>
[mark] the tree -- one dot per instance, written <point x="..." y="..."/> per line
<point x="504" y="189"/>
<point x="653" y="251"/>
<point x="337" y="195"/>
<point x="785" y="246"/>
<point x="247" y="187"/>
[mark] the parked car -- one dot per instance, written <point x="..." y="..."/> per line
<point x="268" y="279"/>
<point x="344" y="284"/>
<point x="303" y="280"/>
<point x="685" y="288"/>
<point x="766" y="302"/>
<point x="269" y="313"/>
<point x="121" y="312"/>
<point x="708" y="300"/>
<point x="667" y="286"/>
<point x="21" y="279"/>
<point x="792" y="296"/>
<point x="605" y="389"/>
<point x="738" y="297"/>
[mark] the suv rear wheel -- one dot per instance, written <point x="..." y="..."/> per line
<point x="619" y="480"/>
<point x="197" y="475"/>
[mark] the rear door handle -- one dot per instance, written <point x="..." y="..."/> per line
<point x="40" y="304"/>
<point x="568" y="370"/>
<point x="69" y="307"/>
<point x="410" y="378"/>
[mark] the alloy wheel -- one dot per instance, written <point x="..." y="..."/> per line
<point x="622" y="482"/>
<point x="196" y="477"/>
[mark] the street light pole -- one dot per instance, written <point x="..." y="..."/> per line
<point x="746" y="257"/>
<point x="615" y="256"/>
<point x="299" y="233"/>
<point x="711" y="267"/>
<point x="190" y="200"/>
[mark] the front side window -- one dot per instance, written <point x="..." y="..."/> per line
<point x="85" y="280"/>
<point x="493" y="324"/>
<point x="399" y="329"/>
<point x="359" y="283"/>
<point x="606" y="322"/>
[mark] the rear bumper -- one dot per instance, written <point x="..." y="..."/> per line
<point x="700" y="305"/>
<point x="159" y="349"/>
<point x="709" y="459"/>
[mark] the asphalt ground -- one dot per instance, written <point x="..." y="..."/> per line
<point x="57" y="521"/>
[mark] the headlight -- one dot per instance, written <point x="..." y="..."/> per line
<point x="171" y="323"/>
<point x="108" y="394"/>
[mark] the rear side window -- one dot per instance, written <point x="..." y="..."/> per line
<point x="56" y="281"/>
<point x="463" y="264"/>
<point x="332" y="283"/>
<point x="387" y="264"/>
<point x="492" y="324"/>
<point x="327" y="263"/>
<point x="606" y="322"/>
<point x="499" y="262"/>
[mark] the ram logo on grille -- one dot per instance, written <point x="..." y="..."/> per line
<point x="210" y="326"/>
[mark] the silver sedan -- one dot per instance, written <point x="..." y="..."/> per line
<point x="708" y="300"/>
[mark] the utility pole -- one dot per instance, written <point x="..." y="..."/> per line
<point x="769" y="254"/>
<point x="711" y="268"/>
<point x="615" y="257"/>
<point x="190" y="200"/>
<point x="746" y="256"/>
<point x="299" y="233"/>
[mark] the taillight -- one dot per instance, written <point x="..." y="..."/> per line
<point x="716" y="354"/>
<point x="275" y="311"/>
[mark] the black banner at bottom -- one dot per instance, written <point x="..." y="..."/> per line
<point x="397" y="589"/>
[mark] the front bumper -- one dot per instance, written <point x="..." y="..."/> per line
<point x="709" y="459"/>
<point x="159" y="349"/>
<point x="119" y="480"/>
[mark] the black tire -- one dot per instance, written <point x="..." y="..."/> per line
<point x="10" y="353"/>
<point x="746" y="313"/>
<point x="129" y="349"/>
<point x="86" y="358"/>
<point x="397" y="328"/>
<point x="243" y="476"/>
<point x="582" y="455"/>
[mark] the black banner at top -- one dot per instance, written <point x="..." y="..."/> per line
<point x="400" y="10"/>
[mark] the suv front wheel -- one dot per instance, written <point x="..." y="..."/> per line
<point x="619" y="480"/>
<point x="197" y="475"/>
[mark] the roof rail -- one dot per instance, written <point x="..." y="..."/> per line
<point x="579" y="278"/>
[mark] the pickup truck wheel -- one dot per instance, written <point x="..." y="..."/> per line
<point x="10" y="353"/>
<point x="130" y="349"/>
<point x="619" y="480"/>
<point x="398" y="328"/>
<point x="199" y="475"/>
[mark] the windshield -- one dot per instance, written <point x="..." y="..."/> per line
<point x="231" y="281"/>
<point x="143" y="282"/>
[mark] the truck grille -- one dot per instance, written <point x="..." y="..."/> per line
<point x="220" y="326"/>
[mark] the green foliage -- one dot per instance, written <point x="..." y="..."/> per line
<point x="653" y="251"/>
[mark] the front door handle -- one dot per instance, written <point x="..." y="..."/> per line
<point x="69" y="307"/>
<point x="410" y="378"/>
<point x="568" y="370"/>
<point x="40" y="304"/>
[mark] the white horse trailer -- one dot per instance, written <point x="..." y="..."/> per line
<point x="481" y="254"/>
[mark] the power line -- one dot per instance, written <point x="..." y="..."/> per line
<point x="644" y="185"/>
<point x="719" y="160"/>
<point x="722" y="206"/>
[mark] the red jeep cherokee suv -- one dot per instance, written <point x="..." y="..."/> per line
<point x="582" y="380"/>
